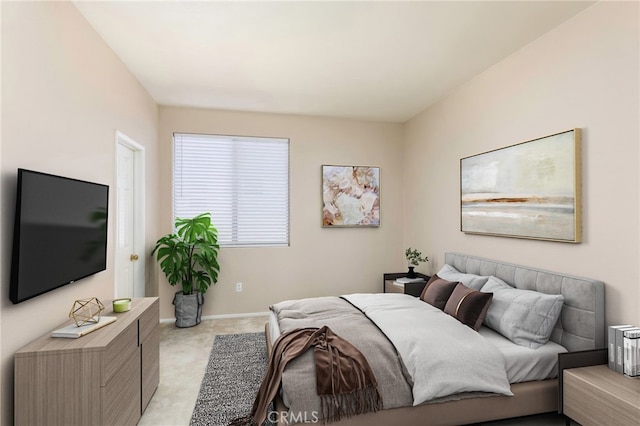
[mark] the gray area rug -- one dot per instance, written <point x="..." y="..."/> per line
<point x="236" y="366"/>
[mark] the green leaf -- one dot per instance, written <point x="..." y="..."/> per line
<point x="189" y="256"/>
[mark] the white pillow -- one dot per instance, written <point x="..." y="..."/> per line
<point x="525" y="317"/>
<point x="472" y="281"/>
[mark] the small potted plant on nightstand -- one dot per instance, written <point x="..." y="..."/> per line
<point x="414" y="257"/>
<point x="189" y="257"/>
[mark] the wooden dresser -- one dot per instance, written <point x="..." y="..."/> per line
<point x="104" y="378"/>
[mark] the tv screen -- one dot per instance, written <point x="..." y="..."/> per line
<point x="60" y="233"/>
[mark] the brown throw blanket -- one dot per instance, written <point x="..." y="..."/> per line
<point x="345" y="383"/>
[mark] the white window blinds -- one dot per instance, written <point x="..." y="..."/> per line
<point x="243" y="182"/>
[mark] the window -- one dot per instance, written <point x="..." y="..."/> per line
<point x="242" y="181"/>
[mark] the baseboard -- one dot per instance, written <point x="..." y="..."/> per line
<point x="209" y="317"/>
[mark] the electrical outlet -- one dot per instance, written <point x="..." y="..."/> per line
<point x="239" y="287"/>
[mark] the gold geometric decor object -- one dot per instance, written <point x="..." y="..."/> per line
<point x="86" y="311"/>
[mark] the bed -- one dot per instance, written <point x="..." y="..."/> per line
<point x="532" y="384"/>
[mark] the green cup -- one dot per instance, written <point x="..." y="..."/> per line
<point x="121" y="305"/>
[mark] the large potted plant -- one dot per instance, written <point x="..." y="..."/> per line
<point x="189" y="257"/>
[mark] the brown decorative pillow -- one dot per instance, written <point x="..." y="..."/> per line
<point x="468" y="306"/>
<point x="432" y="279"/>
<point x="437" y="292"/>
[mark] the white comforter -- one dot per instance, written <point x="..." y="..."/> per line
<point x="442" y="356"/>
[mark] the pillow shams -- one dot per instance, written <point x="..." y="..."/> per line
<point x="474" y="282"/>
<point x="468" y="306"/>
<point x="525" y="317"/>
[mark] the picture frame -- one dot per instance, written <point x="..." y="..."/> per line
<point x="350" y="196"/>
<point x="528" y="190"/>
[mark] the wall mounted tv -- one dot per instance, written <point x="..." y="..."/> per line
<point x="60" y="233"/>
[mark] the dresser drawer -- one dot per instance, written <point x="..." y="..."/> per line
<point x="119" y="350"/>
<point x="121" y="397"/>
<point x="150" y="350"/>
<point x="149" y="321"/>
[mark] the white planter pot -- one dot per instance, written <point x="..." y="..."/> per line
<point x="188" y="309"/>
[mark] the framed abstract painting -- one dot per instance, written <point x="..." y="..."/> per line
<point x="350" y="196"/>
<point x="528" y="190"/>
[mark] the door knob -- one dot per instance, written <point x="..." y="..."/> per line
<point x="133" y="257"/>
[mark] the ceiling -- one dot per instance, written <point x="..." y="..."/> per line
<point x="381" y="61"/>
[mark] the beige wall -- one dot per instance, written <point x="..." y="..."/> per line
<point x="582" y="74"/>
<point x="319" y="261"/>
<point x="64" y="94"/>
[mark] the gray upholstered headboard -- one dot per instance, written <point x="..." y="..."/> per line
<point x="581" y="325"/>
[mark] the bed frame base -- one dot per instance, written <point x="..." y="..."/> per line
<point x="529" y="398"/>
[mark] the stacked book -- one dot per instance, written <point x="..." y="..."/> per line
<point x="73" y="331"/>
<point x="404" y="280"/>
<point x="624" y="349"/>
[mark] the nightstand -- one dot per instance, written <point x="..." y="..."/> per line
<point x="597" y="395"/>
<point x="414" y="289"/>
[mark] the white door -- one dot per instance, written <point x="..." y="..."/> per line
<point x="129" y="273"/>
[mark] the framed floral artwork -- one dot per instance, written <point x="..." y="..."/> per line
<point x="528" y="190"/>
<point x="350" y="196"/>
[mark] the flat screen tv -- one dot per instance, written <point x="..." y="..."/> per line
<point x="60" y="233"/>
